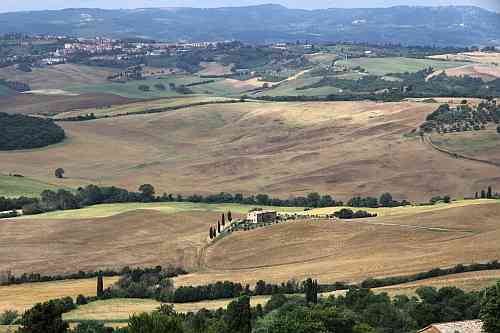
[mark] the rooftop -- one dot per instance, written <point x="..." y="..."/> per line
<point x="469" y="326"/>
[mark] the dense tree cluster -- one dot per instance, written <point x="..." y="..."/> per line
<point x="462" y="118"/>
<point x="385" y="200"/>
<point x="347" y="214"/>
<point x="25" y="132"/>
<point x="359" y="310"/>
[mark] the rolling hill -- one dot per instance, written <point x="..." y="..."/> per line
<point x="341" y="148"/>
<point x="457" y="26"/>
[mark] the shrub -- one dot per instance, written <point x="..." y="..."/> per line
<point x="8" y="317"/>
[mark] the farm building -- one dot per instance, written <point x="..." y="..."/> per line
<point x="262" y="216"/>
<point x="470" y="326"/>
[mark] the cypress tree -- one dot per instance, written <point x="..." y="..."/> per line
<point x="100" y="285"/>
<point x="229" y="216"/>
<point x="489" y="195"/>
<point x="211" y="233"/>
<point x="223" y="219"/>
<point x="218" y="227"/>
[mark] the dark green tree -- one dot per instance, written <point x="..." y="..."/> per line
<point x="229" y="216"/>
<point x="147" y="192"/>
<point x="483" y="194"/>
<point x="90" y="327"/>
<point x="386" y="200"/>
<point x="490" y="310"/>
<point x="100" y="285"/>
<point x="218" y="227"/>
<point x="155" y="323"/>
<point x="311" y="290"/>
<point x="239" y="316"/>
<point x="489" y="194"/>
<point x="43" y="318"/>
<point x="223" y="220"/>
<point x="59" y="173"/>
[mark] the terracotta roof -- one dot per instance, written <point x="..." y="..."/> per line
<point x="469" y="326"/>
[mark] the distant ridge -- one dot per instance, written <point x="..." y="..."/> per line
<point x="410" y="25"/>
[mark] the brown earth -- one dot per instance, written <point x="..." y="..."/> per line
<point x="343" y="148"/>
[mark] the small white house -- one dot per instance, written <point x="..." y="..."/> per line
<point x="262" y="216"/>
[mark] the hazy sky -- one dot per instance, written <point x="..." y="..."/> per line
<point x="16" y="5"/>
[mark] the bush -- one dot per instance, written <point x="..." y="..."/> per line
<point x="8" y="317"/>
<point x="144" y="88"/>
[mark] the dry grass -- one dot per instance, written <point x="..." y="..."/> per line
<point x="470" y="281"/>
<point x="343" y="148"/>
<point x="24" y="296"/>
<point x="136" y="238"/>
<point x="122" y="309"/>
<point x="58" y="76"/>
<point x="141" y="106"/>
<point x="51" y="104"/>
<point x="487" y="73"/>
<point x="480" y="57"/>
<point x="355" y="250"/>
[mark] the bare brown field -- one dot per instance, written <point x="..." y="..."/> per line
<point x="355" y="250"/>
<point x="487" y="73"/>
<point x="50" y="105"/>
<point x="214" y="68"/>
<point x="343" y="148"/>
<point x="24" y="296"/>
<point x="137" y="238"/>
<point x="58" y="76"/>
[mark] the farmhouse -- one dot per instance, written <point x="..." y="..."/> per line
<point x="262" y="216"/>
<point x="470" y="326"/>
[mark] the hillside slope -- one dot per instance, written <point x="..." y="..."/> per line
<point x="267" y="23"/>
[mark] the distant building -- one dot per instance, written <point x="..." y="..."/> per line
<point x="262" y="216"/>
<point x="469" y="326"/>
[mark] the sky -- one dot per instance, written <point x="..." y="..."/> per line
<point x="17" y="5"/>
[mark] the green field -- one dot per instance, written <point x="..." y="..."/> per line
<point x="131" y="89"/>
<point x="21" y="186"/>
<point x="289" y="88"/>
<point x="383" y="66"/>
<point x="475" y="143"/>
<point x="105" y="210"/>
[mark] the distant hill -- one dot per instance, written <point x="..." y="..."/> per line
<point x="453" y="25"/>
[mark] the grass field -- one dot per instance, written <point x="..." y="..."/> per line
<point x="478" y="57"/>
<point x="121" y="309"/>
<point x="141" y="106"/>
<point x="16" y="186"/>
<point x="478" y="144"/>
<point x="383" y="66"/>
<point x="405" y="210"/>
<point x="58" y="76"/>
<point x="51" y="105"/>
<point x="107" y="210"/>
<point x="131" y="89"/>
<point x="22" y="297"/>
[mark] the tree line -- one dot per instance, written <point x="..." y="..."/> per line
<point x="358" y="311"/>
